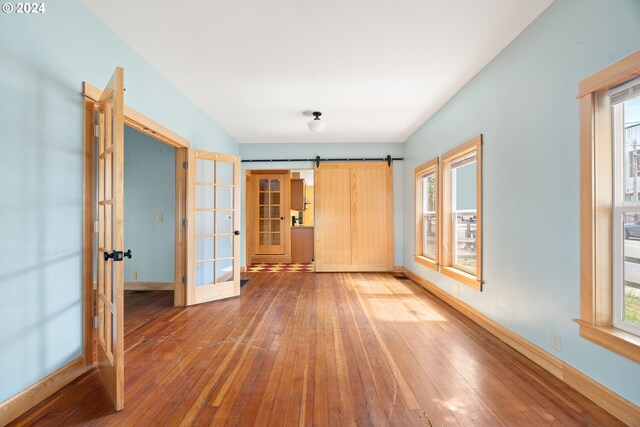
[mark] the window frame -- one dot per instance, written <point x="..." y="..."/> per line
<point x="621" y="207"/>
<point x="447" y="246"/>
<point x="431" y="167"/>
<point x="597" y="207"/>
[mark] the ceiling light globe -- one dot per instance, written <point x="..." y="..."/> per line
<point x="316" y="125"/>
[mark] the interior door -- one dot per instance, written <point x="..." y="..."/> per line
<point x="354" y="217"/>
<point x="110" y="254"/>
<point x="270" y="215"/>
<point x="213" y="203"/>
<point x="333" y="217"/>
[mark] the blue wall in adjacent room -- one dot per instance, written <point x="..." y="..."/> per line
<point x="524" y="103"/>
<point x="149" y="190"/>
<point x="43" y="61"/>
<point x="335" y="150"/>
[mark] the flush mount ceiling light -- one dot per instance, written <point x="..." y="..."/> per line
<point x="316" y="125"/>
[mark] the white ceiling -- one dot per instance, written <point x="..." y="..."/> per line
<point x="376" y="69"/>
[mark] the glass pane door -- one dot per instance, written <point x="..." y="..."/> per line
<point x="270" y="214"/>
<point x="215" y="241"/>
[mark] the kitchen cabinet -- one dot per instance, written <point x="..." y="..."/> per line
<point x="301" y="245"/>
<point x="298" y="195"/>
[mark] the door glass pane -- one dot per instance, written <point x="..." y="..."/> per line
<point x="275" y="225"/>
<point x="204" y="170"/>
<point x="224" y="246"/>
<point x="224" y="173"/>
<point x="275" y="238"/>
<point x="204" y="196"/>
<point x="275" y="212"/>
<point x="204" y="273"/>
<point x="264" y="212"/>
<point x="204" y="222"/>
<point x="275" y="185"/>
<point x="264" y="225"/>
<point x="204" y="248"/>
<point x="265" y="239"/>
<point x="224" y="198"/>
<point x="631" y="270"/>
<point x="264" y="198"/>
<point x="264" y="185"/>
<point x="275" y="198"/>
<point x="224" y="270"/>
<point x="224" y="222"/>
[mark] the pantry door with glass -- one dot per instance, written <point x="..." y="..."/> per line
<point x="213" y="224"/>
<point x="269" y="190"/>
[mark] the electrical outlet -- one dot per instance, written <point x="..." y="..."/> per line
<point x="456" y="289"/>
<point x="134" y="275"/>
<point x="555" y="341"/>
<point x="159" y="217"/>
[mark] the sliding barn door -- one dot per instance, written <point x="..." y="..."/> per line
<point x="354" y="217"/>
<point x="213" y="236"/>
<point x="110" y="277"/>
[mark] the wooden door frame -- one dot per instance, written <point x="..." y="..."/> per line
<point x="250" y="217"/>
<point x="142" y="123"/>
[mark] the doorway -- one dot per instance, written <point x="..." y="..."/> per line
<point x="149" y="212"/>
<point x="280" y="220"/>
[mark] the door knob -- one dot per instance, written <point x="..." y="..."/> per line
<point x="237" y="233"/>
<point x="115" y="255"/>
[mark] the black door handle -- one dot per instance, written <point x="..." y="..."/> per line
<point x="237" y="233"/>
<point x="115" y="255"/>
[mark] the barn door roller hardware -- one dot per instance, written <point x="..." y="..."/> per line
<point x="317" y="160"/>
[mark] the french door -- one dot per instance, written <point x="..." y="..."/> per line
<point x="213" y="209"/>
<point x="269" y="190"/>
<point x="111" y="254"/>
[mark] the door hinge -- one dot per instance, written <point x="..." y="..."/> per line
<point x="185" y="165"/>
<point x="96" y="226"/>
<point x="95" y="322"/>
<point x="184" y="222"/>
<point x="96" y="130"/>
<point x="184" y="280"/>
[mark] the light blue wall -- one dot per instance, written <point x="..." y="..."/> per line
<point x="524" y="103"/>
<point x="43" y="61"/>
<point x="335" y="150"/>
<point x="149" y="189"/>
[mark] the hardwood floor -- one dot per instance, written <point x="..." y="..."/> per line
<point x="317" y="349"/>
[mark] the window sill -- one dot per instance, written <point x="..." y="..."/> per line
<point x="426" y="262"/>
<point x="613" y="339"/>
<point x="462" y="277"/>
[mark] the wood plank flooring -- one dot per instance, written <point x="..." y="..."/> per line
<point x="317" y="349"/>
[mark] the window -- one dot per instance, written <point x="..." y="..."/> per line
<point x="461" y="187"/>
<point x="610" y="210"/>
<point x="625" y="122"/>
<point x="427" y="219"/>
